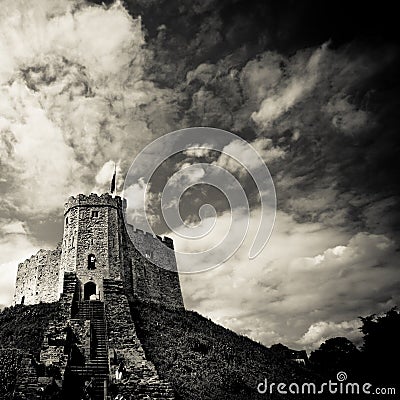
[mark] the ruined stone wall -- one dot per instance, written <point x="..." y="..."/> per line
<point x="48" y="277"/>
<point x="26" y="386"/>
<point x="25" y="285"/>
<point x="38" y="278"/>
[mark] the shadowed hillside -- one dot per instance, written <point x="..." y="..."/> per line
<point x="203" y="360"/>
<point x="22" y="327"/>
<point x="21" y="335"/>
<point x="10" y="361"/>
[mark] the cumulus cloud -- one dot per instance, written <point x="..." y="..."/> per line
<point x="298" y="291"/>
<point x="13" y="228"/>
<point x="263" y="146"/>
<point x="320" y="331"/>
<point x="72" y="96"/>
<point x="104" y="176"/>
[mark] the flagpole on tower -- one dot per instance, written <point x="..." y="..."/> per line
<point x="113" y="181"/>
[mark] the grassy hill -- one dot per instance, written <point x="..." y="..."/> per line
<point x="202" y="360"/>
<point x="22" y="327"/>
<point x="21" y="332"/>
<point x="205" y="361"/>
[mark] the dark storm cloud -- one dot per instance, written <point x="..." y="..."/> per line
<point x="337" y="123"/>
<point x="228" y="62"/>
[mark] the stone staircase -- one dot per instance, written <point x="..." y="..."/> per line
<point x="96" y="366"/>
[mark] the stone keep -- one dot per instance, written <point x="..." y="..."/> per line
<point x="98" y="245"/>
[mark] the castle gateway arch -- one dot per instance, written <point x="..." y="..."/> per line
<point x="89" y="289"/>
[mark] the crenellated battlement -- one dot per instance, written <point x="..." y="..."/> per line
<point x="167" y="241"/>
<point x="94" y="200"/>
<point x="34" y="257"/>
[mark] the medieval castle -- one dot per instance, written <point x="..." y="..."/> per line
<point x="97" y="245"/>
<point x="96" y="273"/>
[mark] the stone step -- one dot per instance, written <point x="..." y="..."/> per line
<point x="91" y="372"/>
<point x="98" y="366"/>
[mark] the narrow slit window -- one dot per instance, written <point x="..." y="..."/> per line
<point x="149" y="254"/>
<point x="91" y="261"/>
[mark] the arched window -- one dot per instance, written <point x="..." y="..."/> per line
<point x="23" y="300"/>
<point x="91" y="261"/>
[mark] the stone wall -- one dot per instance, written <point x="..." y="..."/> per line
<point x="152" y="283"/>
<point x="158" y="250"/>
<point x="25" y="285"/>
<point x="54" y="351"/>
<point x="153" y="268"/>
<point x="92" y="228"/>
<point x="26" y="386"/>
<point x="38" y="278"/>
<point x="48" y="277"/>
<point x="142" y="380"/>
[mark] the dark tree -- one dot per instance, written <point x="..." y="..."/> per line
<point x="381" y="346"/>
<point x="334" y="355"/>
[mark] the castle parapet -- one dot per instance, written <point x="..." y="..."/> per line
<point x="94" y="200"/>
<point x="164" y="240"/>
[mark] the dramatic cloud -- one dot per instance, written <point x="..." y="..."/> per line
<point x="298" y="292"/>
<point x="70" y="99"/>
<point x="276" y="104"/>
<point x="263" y="146"/>
<point x="321" y="331"/>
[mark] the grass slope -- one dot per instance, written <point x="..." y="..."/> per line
<point x="22" y="327"/>
<point x="203" y="360"/>
<point x="21" y="331"/>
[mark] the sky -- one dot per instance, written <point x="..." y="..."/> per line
<point x="312" y="86"/>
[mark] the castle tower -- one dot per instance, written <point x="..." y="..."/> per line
<point x="97" y="247"/>
<point x="92" y="242"/>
